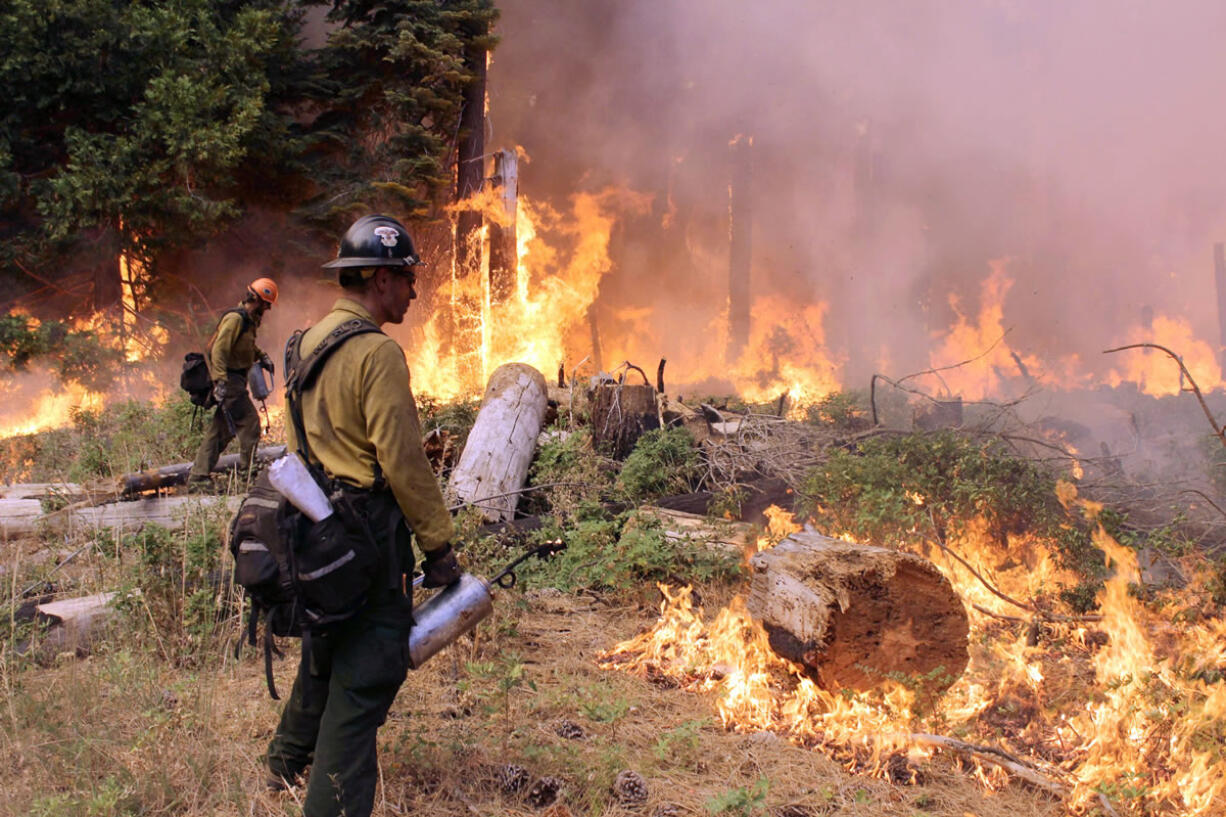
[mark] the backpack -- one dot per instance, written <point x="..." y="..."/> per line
<point x="195" y="378"/>
<point x="303" y="576"/>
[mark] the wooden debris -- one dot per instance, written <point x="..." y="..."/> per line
<point x="719" y="534"/>
<point x="499" y="449"/>
<point x="621" y="412"/>
<point x="169" y="475"/>
<point x="169" y="512"/>
<point x="856" y="615"/>
<point x="74" y="623"/>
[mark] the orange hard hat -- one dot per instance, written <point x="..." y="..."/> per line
<point x="264" y="289"/>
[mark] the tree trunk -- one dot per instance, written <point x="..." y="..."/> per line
<point x="620" y="414"/>
<point x="740" y="250"/>
<point x="504" y="258"/>
<point x="856" y="615"/>
<point x="500" y="446"/>
<point x="470" y="159"/>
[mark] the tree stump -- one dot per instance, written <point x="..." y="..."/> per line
<point x="856" y="615"/>
<point x="621" y="412"/>
<point x="500" y="446"/>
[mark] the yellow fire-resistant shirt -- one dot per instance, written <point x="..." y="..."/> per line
<point x="232" y="347"/>
<point x="360" y="411"/>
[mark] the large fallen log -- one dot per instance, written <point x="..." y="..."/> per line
<point x="855" y="615"/>
<point x="499" y="449"/>
<point x="169" y="512"/>
<point x="170" y="475"/>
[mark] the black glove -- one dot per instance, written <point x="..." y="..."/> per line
<point x="219" y="391"/>
<point x="440" y="568"/>
<point x="266" y="363"/>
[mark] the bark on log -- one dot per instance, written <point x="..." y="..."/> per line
<point x="74" y="623"/>
<point x="499" y="449"/>
<point x="855" y="614"/>
<point x="177" y="474"/>
<point x="620" y="414"/>
<point x="170" y="512"/>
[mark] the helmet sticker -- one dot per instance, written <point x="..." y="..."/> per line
<point x="387" y="235"/>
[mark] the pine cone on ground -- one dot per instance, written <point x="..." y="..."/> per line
<point x="512" y="778"/>
<point x="544" y="792"/>
<point x="666" y="810"/>
<point x="630" y="788"/>
<point x="570" y="730"/>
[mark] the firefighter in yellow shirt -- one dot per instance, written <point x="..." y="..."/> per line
<point x="362" y="428"/>
<point x="230" y="353"/>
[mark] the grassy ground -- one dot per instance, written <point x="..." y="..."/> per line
<point x="124" y="732"/>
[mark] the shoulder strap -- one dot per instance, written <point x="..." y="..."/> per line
<point x="242" y="313"/>
<point x="300" y="371"/>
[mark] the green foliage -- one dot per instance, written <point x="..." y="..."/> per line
<point x="1217" y="582"/>
<point x="891" y="486"/>
<point x="118" y="439"/>
<point x="842" y="410"/>
<point x="75" y="356"/>
<point x="393" y="72"/>
<point x="147" y="127"/>
<point x="623" y="553"/>
<point x="680" y="745"/>
<point x="126" y="123"/>
<point x="131" y="436"/>
<point x="664" y="461"/>
<point x="575" y="472"/>
<point x="493" y="682"/>
<point x="742" y="802"/>
<point x="455" y="418"/>
<point x="170" y="591"/>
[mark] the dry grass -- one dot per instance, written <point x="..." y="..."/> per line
<point x="123" y="733"/>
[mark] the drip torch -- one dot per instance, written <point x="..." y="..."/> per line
<point x="458" y="608"/>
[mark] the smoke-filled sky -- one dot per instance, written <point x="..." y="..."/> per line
<point x="899" y="147"/>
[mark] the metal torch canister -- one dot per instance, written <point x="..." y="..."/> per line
<point x="257" y="382"/>
<point x="447" y="615"/>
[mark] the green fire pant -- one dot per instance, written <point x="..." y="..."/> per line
<point x="218" y="436"/>
<point x="341" y="697"/>
<point x="344" y="689"/>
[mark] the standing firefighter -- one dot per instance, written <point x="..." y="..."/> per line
<point x="361" y="428"/>
<point x="230" y="353"/>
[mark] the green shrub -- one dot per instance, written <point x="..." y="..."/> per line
<point x="842" y="410"/>
<point x="174" y="589"/>
<point x="574" y="471"/>
<point x="889" y="487"/>
<point x="623" y="553"/>
<point x="663" y="462"/>
<point x="121" y="438"/>
<point x="455" y="418"/>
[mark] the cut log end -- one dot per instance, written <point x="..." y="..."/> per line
<point x="856" y="615"/>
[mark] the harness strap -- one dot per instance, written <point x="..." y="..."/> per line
<point x="268" y="651"/>
<point x="300" y="373"/>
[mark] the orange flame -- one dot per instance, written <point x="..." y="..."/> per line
<point x="1147" y="709"/>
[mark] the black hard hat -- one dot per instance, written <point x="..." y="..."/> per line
<point x="375" y="241"/>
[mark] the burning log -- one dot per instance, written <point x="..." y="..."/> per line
<point x="855" y="615"/>
<point x="169" y="475"/>
<point x="495" y="460"/>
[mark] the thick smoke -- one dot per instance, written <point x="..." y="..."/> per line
<point x="899" y="147"/>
